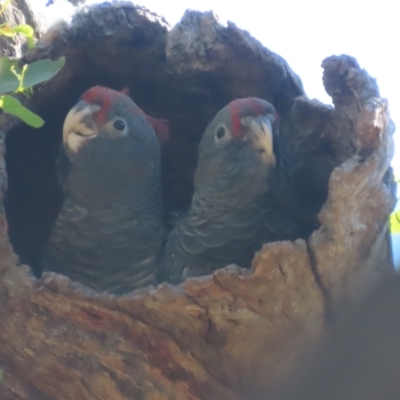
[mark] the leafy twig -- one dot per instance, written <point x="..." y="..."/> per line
<point x="16" y="79"/>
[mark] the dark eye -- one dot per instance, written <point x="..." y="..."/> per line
<point x="119" y="125"/>
<point x="220" y="132"/>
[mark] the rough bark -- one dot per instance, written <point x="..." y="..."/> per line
<point x="16" y="13"/>
<point x="236" y="333"/>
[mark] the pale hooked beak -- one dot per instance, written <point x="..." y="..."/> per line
<point x="260" y="134"/>
<point x="79" y="127"/>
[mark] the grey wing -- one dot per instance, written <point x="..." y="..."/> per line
<point x="72" y="210"/>
<point x="61" y="239"/>
<point x="199" y="245"/>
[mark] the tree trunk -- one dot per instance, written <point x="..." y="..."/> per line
<point x="230" y="335"/>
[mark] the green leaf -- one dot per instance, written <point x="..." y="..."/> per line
<point x="7" y="32"/>
<point x="8" y="81"/>
<point x="27" y="31"/>
<point x="13" y="106"/>
<point x="31" y="42"/>
<point x="35" y="73"/>
<point x="40" y="71"/>
<point x="24" y="29"/>
<point x="395" y="222"/>
<point x="1" y="375"/>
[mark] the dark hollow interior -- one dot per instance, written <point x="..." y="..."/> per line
<point x="189" y="100"/>
<point x="33" y="198"/>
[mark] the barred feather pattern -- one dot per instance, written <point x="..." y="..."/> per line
<point x="109" y="232"/>
<point x="239" y="202"/>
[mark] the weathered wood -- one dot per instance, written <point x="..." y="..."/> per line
<point x="236" y="333"/>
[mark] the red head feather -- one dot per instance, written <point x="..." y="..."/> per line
<point x="161" y="128"/>
<point x="240" y="108"/>
<point x="103" y="96"/>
